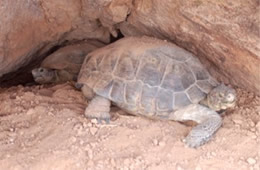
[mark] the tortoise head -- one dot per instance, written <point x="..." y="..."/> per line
<point x="43" y="75"/>
<point x="221" y="97"/>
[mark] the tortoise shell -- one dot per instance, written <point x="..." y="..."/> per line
<point x="146" y="76"/>
<point x="71" y="57"/>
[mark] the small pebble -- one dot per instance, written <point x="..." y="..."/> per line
<point x="237" y="121"/>
<point x="126" y="161"/>
<point x="112" y="162"/>
<point x="85" y="124"/>
<point x="12" y="129"/>
<point x="251" y="161"/>
<point x="30" y="112"/>
<point x="249" y="133"/>
<point x="252" y="124"/>
<point x="91" y="163"/>
<point x="77" y="126"/>
<point x="155" y="142"/>
<point x="94" y="121"/>
<point x="93" y="130"/>
<point x="198" y="168"/>
<point x="213" y="154"/>
<point x="77" y="164"/>
<point x="73" y="139"/>
<point x="93" y="144"/>
<point x="162" y="143"/>
<point x="81" y="142"/>
<point x="179" y="167"/>
<point x="254" y="137"/>
<point x="12" y="96"/>
<point x="258" y="126"/>
<point x="89" y="124"/>
<point x="90" y="154"/>
<point x="46" y="92"/>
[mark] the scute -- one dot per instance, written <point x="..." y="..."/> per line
<point x="178" y="77"/>
<point x="127" y="66"/>
<point x="93" y="62"/>
<point x="205" y="85"/>
<point x="117" y="93"/>
<point x="133" y="92"/>
<point x="89" y="79"/>
<point x="195" y="94"/>
<point x="181" y="100"/>
<point x="176" y="53"/>
<point x="198" y="70"/>
<point x="147" y="100"/>
<point x="149" y="72"/>
<point x="104" y="85"/>
<point x="164" y="100"/>
<point x="108" y="63"/>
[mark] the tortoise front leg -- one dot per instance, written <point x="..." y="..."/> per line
<point x="98" y="108"/>
<point x="208" y="123"/>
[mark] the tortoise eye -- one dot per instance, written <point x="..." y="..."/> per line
<point x="230" y="97"/>
<point x="41" y="69"/>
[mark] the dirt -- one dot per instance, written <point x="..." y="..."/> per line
<point x="43" y="127"/>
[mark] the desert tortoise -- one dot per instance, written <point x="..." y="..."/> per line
<point x="64" y="64"/>
<point x="154" y="78"/>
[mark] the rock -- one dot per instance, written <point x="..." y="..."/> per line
<point x="112" y="162"/>
<point x="73" y="139"/>
<point x="30" y="112"/>
<point x="198" y="167"/>
<point x="90" y="154"/>
<point x="258" y="126"/>
<point x="251" y="123"/>
<point x="213" y="153"/>
<point x="94" y="121"/>
<point x="237" y="121"/>
<point x="155" y="142"/>
<point x="127" y="161"/>
<point x="38" y="26"/>
<point x="46" y="92"/>
<point x="227" y="36"/>
<point x="93" y="130"/>
<point x="178" y="167"/>
<point x="162" y="143"/>
<point x="251" y="161"/>
<point x="90" y="163"/>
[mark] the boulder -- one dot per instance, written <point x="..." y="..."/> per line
<point x="30" y="29"/>
<point x="225" y="35"/>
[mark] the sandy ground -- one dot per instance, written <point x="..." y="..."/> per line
<point x="44" y="128"/>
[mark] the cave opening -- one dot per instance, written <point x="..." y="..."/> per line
<point x="23" y="76"/>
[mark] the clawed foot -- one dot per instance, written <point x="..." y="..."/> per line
<point x="195" y="141"/>
<point x="100" y="116"/>
<point x="99" y="109"/>
<point x="198" y="136"/>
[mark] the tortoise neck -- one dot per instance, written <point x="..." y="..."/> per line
<point x="55" y="77"/>
<point x="205" y="102"/>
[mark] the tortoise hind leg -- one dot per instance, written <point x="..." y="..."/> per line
<point x="98" y="108"/>
<point x="208" y="123"/>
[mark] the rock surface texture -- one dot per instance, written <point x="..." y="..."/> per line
<point x="223" y="34"/>
<point x="29" y="29"/>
